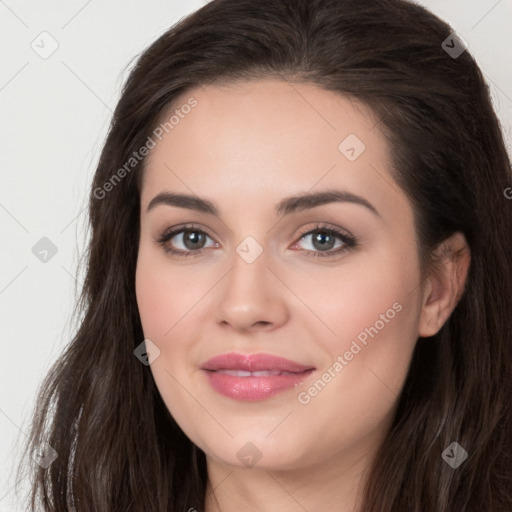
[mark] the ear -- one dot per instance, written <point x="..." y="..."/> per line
<point x="445" y="285"/>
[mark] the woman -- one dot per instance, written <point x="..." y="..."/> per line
<point x="298" y="292"/>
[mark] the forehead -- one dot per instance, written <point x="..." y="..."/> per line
<point x="267" y="138"/>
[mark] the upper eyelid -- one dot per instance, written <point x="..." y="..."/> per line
<point x="326" y="226"/>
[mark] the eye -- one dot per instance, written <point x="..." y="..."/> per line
<point x="190" y="237"/>
<point x="192" y="240"/>
<point x="323" y="241"/>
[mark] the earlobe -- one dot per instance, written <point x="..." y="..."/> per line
<point x="445" y="285"/>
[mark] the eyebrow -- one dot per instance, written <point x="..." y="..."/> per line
<point x="285" y="207"/>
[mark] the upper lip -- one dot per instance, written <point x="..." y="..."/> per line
<point x="253" y="363"/>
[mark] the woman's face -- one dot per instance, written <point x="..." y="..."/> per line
<point x="265" y="275"/>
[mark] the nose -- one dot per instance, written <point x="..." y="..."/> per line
<point x="251" y="296"/>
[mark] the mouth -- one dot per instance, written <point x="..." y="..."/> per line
<point x="253" y="377"/>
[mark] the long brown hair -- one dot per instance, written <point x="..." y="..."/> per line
<point x="118" y="447"/>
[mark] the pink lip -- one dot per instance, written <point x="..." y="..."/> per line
<point x="253" y="363"/>
<point x="253" y="388"/>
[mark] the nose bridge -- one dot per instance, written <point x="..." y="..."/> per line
<point x="249" y="268"/>
<point x="250" y="293"/>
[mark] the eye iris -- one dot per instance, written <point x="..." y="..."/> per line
<point x="321" y="237"/>
<point x="194" y="238"/>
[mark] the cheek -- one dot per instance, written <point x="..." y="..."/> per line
<point x="164" y="294"/>
<point x="356" y="391"/>
<point x="369" y="299"/>
<point x="372" y="317"/>
<point x="163" y="299"/>
<point x="153" y="299"/>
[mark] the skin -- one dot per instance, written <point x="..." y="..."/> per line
<point x="245" y="147"/>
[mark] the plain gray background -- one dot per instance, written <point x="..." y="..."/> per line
<point x="55" y="112"/>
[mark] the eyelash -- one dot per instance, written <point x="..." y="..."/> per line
<point x="350" y="242"/>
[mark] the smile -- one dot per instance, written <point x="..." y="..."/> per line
<point x="253" y="377"/>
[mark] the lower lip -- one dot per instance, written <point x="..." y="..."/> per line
<point x="250" y="389"/>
